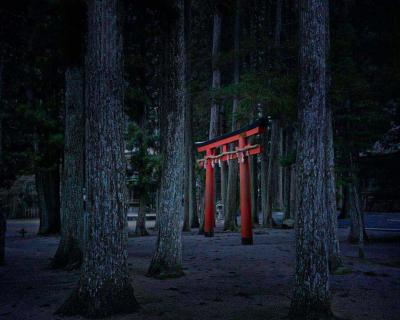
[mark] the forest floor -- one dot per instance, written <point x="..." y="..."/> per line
<point x="223" y="279"/>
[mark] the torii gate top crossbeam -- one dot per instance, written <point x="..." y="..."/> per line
<point x="248" y="131"/>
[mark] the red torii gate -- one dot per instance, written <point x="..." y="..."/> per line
<point x="242" y="151"/>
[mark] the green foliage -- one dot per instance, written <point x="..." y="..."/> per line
<point x="144" y="162"/>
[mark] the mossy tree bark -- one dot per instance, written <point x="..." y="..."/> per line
<point x="104" y="287"/>
<point x="311" y="298"/>
<point x="69" y="252"/>
<point x="167" y="259"/>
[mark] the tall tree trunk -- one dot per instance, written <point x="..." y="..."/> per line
<point x="271" y="193"/>
<point x="70" y="249"/>
<point x="224" y="184"/>
<point x="167" y="259"/>
<point x="287" y="173"/>
<point x="264" y="178"/>
<point x="3" y="222"/>
<point x="104" y="287"/>
<point x="233" y="169"/>
<point x="278" y="170"/>
<point x="140" y="229"/>
<point x="335" y="260"/>
<point x="311" y="298"/>
<point x="191" y="219"/>
<point x="200" y="205"/>
<point x="357" y="228"/>
<point x="344" y="208"/>
<point x="254" y="189"/>
<point x="292" y="196"/>
<point x="48" y="190"/>
<point x="3" y="229"/>
<point x="278" y="24"/>
<point x="1" y="110"/>
<point x="216" y="72"/>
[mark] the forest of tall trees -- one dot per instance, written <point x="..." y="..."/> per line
<point x="104" y="104"/>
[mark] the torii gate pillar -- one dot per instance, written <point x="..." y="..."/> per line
<point x="242" y="153"/>
<point x="245" y="198"/>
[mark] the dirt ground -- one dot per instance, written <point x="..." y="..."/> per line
<point x="224" y="280"/>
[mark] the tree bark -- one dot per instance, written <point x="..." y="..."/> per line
<point x="254" y="188"/>
<point x="357" y="228"/>
<point x="48" y="190"/>
<point x="3" y="221"/>
<point x="233" y="169"/>
<point x="335" y="260"/>
<point x="104" y="287"/>
<point x="70" y="249"/>
<point x="167" y="259"/>
<point x="140" y="229"/>
<point x="264" y="178"/>
<point x="216" y="73"/>
<point x="278" y="170"/>
<point x="3" y="229"/>
<point x="271" y="193"/>
<point x="278" y="24"/>
<point x="311" y="298"/>
<point x="190" y="190"/>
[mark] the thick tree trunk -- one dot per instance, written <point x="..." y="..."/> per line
<point x="140" y="229"/>
<point x="70" y="249"/>
<point x="167" y="259"/>
<point x="311" y="298"/>
<point x="333" y="241"/>
<point x="48" y="190"/>
<point x="216" y="73"/>
<point x="2" y="212"/>
<point x="335" y="260"/>
<point x="190" y="215"/>
<point x="233" y="169"/>
<point x="104" y="287"/>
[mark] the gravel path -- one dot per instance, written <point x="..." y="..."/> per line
<point x="224" y="280"/>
